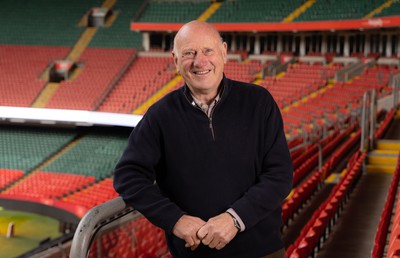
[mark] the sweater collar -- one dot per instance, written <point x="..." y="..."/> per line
<point x="222" y="91"/>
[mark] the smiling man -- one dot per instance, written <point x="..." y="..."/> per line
<point x="209" y="162"/>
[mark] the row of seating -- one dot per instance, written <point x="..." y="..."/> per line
<point x="335" y="102"/>
<point x="92" y="195"/>
<point x="385" y="222"/>
<point x="319" y="226"/>
<point x="306" y="167"/>
<point x="48" y="185"/>
<point x="246" y="72"/>
<point x="305" y="189"/>
<point x="8" y="176"/>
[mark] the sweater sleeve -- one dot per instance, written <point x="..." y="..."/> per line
<point x="135" y="175"/>
<point x="275" y="180"/>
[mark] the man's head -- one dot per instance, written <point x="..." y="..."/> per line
<point x="199" y="56"/>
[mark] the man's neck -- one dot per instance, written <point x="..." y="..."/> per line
<point x="205" y="98"/>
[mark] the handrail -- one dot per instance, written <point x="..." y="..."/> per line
<point x="86" y="229"/>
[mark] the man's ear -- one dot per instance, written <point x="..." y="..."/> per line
<point x="175" y="58"/>
<point x="224" y="51"/>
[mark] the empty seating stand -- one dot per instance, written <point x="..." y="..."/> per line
<point x="339" y="10"/>
<point x="101" y="66"/>
<point x="47" y="185"/>
<point x="118" y="34"/>
<point x="240" y="71"/>
<point x="8" y="176"/>
<point x="93" y="155"/>
<point x="92" y="195"/>
<point x="24" y="148"/>
<point x="42" y="22"/>
<point x="145" y="76"/>
<point x="21" y="68"/>
<point x="173" y="11"/>
<point x="254" y="11"/>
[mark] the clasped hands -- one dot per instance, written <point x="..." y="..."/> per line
<point x="217" y="232"/>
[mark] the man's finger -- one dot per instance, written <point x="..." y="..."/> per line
<point x="202" y="233"/>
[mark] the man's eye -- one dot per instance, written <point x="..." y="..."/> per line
<point x="208" y="51"/>
<point x="189" y="54"/>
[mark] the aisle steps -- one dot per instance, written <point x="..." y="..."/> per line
<point x="384" y="158"/>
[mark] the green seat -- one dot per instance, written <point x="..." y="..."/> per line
<point x="119" y="35"/>
<point x="95" y="154"/>
<point x="26" y="148"/>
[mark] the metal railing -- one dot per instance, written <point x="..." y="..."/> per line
<point x="102" y="217"/>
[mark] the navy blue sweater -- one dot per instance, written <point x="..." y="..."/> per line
<point x="238" y="159"/>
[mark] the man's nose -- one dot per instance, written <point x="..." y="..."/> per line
<point x="200" y="59"/>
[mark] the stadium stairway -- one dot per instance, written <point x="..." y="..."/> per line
<point x="296" y="13"/>
<point x="354" y="235"/>
<point x="210" y="11"/>
<point x="77" y="50"/>
<point x="378" y="10"/>
<point x="384" y="158"/>
<point x="158" y="95"/>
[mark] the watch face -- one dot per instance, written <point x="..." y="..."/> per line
<point x="236" y="223"/>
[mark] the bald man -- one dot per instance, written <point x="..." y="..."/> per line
<point x="209" y="162"/>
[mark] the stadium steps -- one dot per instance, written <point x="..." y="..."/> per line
<point x="210" y="11"/>
<point x="45" y="94"/>
<point x="81" y="44"/>
<point x="296" y="13"/>
<point x="380" y="9"/>
<point x="382" y="160"/>
<point x="158" y="95"/>
<point x="58" y="154"/>
<point x="50" y="88"/>
<point x="108" y="3"/>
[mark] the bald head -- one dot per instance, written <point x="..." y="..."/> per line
<point x="198" y="28"/>
<point x="199" y="55"/>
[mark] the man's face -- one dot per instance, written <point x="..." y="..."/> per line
<point x="199" y="57"/>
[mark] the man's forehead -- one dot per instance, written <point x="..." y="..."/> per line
<point x="198" y="42"/>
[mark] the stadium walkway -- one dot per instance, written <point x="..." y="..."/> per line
<point x="353" y="236"/>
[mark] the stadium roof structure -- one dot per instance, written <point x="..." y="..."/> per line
<point x="334" y="25"/>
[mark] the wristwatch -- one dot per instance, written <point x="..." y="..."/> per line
<point x="235" y="222"/>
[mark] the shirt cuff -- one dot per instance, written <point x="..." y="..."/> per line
<point x="234" y="214"/>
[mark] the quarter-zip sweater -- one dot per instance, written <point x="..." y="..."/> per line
<point x="237" y="159"/>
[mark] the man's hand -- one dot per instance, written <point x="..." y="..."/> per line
<point x="186" y="228"/>
<point x="218" y="231"/>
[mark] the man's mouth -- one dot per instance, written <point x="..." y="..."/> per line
<point x="201" y="72"/>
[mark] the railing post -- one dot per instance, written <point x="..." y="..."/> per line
<point x="373" y="105"/>
<point x="396" y="88"/>
<point x="364" y="122"/>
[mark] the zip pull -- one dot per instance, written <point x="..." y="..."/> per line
<point x="212" y="129"/>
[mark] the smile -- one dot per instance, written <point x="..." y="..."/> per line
<point x="202" y="72"/>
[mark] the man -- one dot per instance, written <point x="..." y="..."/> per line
<point x="218" y="154"/>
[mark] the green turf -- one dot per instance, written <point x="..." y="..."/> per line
<point x="29" y="230"/>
